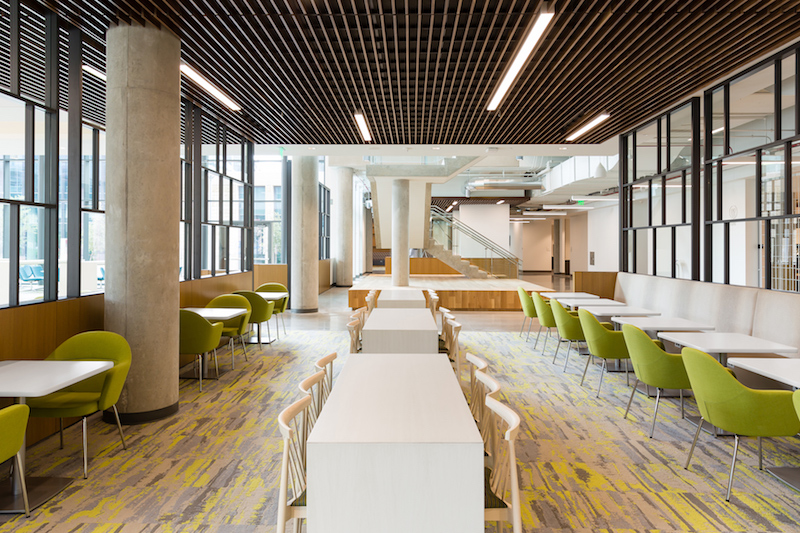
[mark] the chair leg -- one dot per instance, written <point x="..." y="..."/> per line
<point x="269" y="334"/>
<point x="588" y="360"/>
<point x="683" y="415"/>
<point x="18" y="460"/>
<point x="630" y="399"/>
<point x="61" y="432"/>
<point x="558" y="347"/>
<point x="232" y="346"/>
<point x="569" y="347"/>
<point x="530" y="323"/>
<point x="694" y="442"/>
<point x="259" y="335"/>
<point x="760" y="456"/>
<point x="655" y="412"/>
<point x="283" y="321"/>
<point x="535" y="344"/>
<point x="85" y="449"/>
<point x="216" y="363"/>
<point x="602" y="374"/>
<point x="244" y="346"/>
<point x="524" y="318"/>
<point x="733" y="466"/>
<point x="119" y="427"/>
<point x="200" y="365"/>
<point x="277" y="326"/>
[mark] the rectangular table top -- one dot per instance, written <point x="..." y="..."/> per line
<point x="619" y="310"/>
<point x="402" y="298"/>
<point x="389" y="319"/>
<point x="662" y="323"/>
<point x="575" y="303"/>
<point x="726" y="343"/>
<point x="783" y="370"/>
<point x="396" y="398"/>
<point x="583" y="295"/>
<point x="272" y="296"/>
<point x="34" y="378"/>
<point x="218" y="313"/>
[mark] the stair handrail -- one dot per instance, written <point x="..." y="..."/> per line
<point x="437" y="213"/>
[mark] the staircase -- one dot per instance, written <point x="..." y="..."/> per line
<point x="446" y="233"/>
<point x="454" y="261"/>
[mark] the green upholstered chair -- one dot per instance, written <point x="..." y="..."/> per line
<point x="569" y="328"/>
<point x="733" y="407"/>
<point x="528" y="309"/>
<point x="14" y="421"/>
<point x="236" y="327"/>
<point x="280" y="305"/>
<point x="603" y="342"/>
<point x="97" y="393"/>
<point x="261" y="311"/>
<point x="545" y="315"/>
<point x="199" y="336"/>
<point x="655" y="367"/>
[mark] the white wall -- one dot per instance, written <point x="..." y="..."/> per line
<point x="579" y="243"/>
<point x="602" y="230"/>
<point x="537" y="249"/>
<point x="515" y="231"/>
<point x="490" y="220"/>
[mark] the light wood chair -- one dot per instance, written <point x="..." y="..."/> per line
<point x="503" y="478"/>
<point x="475" y="393"/>
<point x="488" y="387"/>
<point x="352" y="328"/>
<point x="291" y="422"/>
<point x="453" y="348"/>
<point x="313" y="386"/>
<point x="326" y="364"/>
<point x="433" y="304"/>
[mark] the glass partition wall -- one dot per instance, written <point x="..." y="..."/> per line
<point x="734" y="216"/>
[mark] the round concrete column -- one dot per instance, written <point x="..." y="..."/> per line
<point x="142" y="294"/>
<point x="342" y="224"/>
<point x="305" y="235"/>
<point x="400" y="206"/>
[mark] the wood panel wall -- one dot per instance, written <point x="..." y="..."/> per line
<point x="425" y="265"/>
<point x="198" y="292"/>
<point x="34" y="331"/>
<point x="599" y="283"/>
<point x="324" y="275"/>
<point x="270" y="273"/>
<point x="464" y="300"/>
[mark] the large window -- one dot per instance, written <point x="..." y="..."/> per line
<point x="268" y="209"/>
<point x="752" y="169"/>
<point x="659" y="208"/>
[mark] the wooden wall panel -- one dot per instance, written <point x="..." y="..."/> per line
<point x="425" y="265"/>
<point x="463" y="300"/>
<point x="270" y="273"/>
<point x="198" y="292"/>
<point x="599" y="283"/>
<point x="324" y="275"/>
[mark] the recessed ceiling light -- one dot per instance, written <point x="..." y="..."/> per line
<point x="209" y="88"/>
<point x="450" y="208"/>
<point x="562" y="147"/>
<point x="573" y="207"/>
<point x="362" y="126"/>
<point x="94" y="72"/>
<point x="718" y="130"/>
<point x="591" y="124"/>
<point x="436" y="148"/>
<point x="535" y="33"/>
<point x="500" y="202"/>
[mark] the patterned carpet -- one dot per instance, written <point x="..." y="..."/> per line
<point x="214" y="466"/>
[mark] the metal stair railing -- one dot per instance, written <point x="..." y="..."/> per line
<point x="498" y="262"/>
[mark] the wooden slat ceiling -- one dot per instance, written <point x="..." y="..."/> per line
<point x="423" y="72"/>
<point x="444" y="202"/>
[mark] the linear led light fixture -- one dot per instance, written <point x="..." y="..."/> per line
<point x="573" y="207"/>
<point x="530" y="218"/>
<point x="193" y="75"/>
<point x="595" y="198"/>
<point x="94" y="72"/>
<point x="362" y="126"/>
<point x="500" y="202"/>
<point x="551" y="213"/>
<point x="535" y="33"/>
<point x="718" y="130"/>
<point x="589" y="125"/>
<point x="450" y="208"/>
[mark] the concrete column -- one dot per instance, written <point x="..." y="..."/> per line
<point x="400" y="206"/>
<point x="143" y="213"/>
<point x="341" y="179"/>
<point x="305" y="235"/>
<point x="368" y="238"/>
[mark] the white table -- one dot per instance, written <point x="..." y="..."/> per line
<point x="32" y="379"/>
<point x="402" y="298"/>
<point x="576" y="303"/>
<point x="395" y="450"/>
<point x="619" y="310"/>
<point x="662" y="323"/>
<point x="218" y="314"/>
<point x="782" y="370"/>
<point x="273" y="296"/>
<point x="583" y="295"/>
<point x="400" y="331"/>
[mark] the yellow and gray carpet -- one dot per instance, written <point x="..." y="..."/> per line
<point x="214" y="466"/>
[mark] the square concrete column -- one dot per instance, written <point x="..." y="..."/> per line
<point x="400" y="206"/>
<point x="341" y="179"/>
<point x="304" y="288"/>
<point x="143" y="213"/>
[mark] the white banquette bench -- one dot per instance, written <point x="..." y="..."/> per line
<point x="767" y="314"/>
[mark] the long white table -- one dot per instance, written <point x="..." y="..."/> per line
<point x="576" y="303"/>
<point x="395" y="450"/>
<point x="218" y="314"/>
<point x="619" y="310"/>
<point x="402" y="298"/>
<point x="583" y="295"/>
<point x="32" y="379"/>
<point x="400" y="331"/>
<point x="273" y="296"/>
<point x="661" y="323"/>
